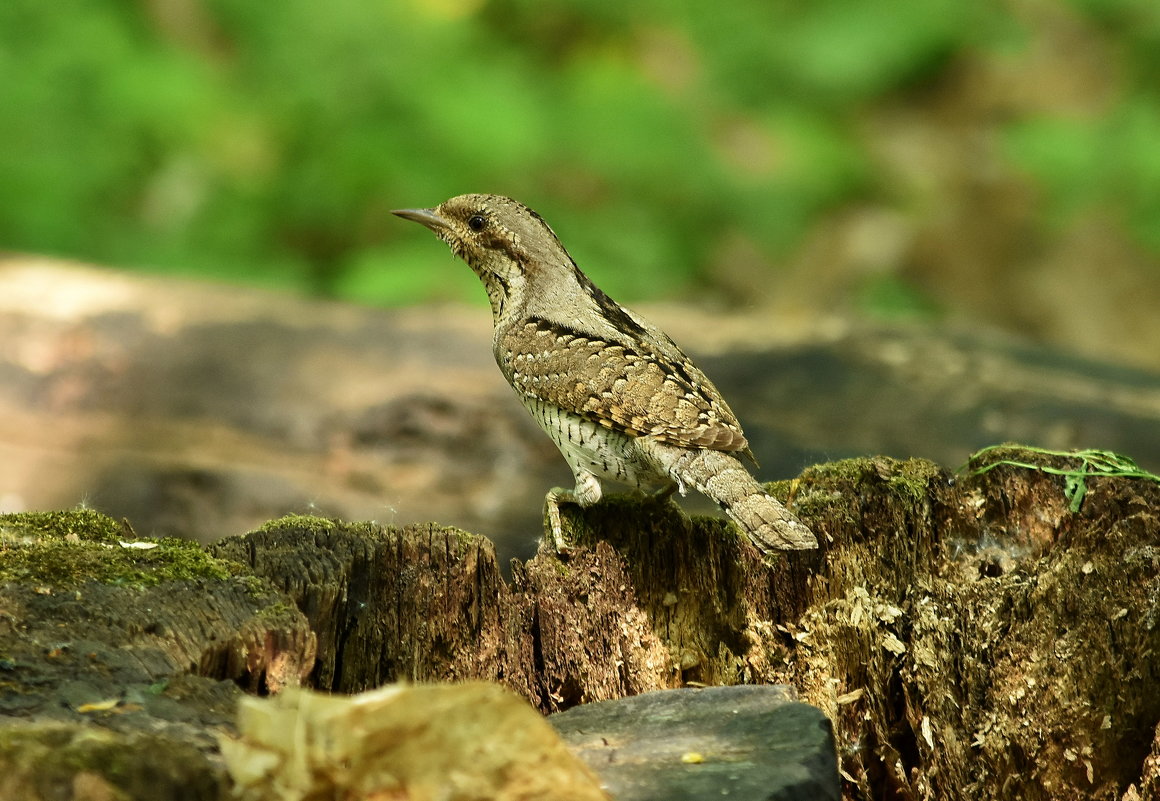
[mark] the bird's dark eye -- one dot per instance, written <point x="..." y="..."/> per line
<point x="476" y="222"/>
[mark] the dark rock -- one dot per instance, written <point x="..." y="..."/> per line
<point x="740" y="742"/>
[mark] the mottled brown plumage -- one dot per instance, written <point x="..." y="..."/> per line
<point x="614" y="393"/>
<point x="624" y="386"/>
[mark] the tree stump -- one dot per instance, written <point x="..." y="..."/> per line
<point x="971" y="638"/>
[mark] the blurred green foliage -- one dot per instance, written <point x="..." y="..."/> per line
<point x="1113" y="162"/>
<point x="267" y="142"/>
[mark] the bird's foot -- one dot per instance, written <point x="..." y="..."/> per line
<point x="586" y="493"/>
<point x="555" y="528"/>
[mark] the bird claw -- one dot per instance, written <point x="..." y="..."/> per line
<point x="556" y="537"/>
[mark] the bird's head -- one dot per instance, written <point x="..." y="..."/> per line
<point x="501" y="239"/>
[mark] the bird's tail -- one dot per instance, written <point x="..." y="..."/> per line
<point x="720" y="476"/>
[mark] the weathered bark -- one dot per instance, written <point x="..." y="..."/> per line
<point x="970" y="639"/>
<point x="427" y="603"/>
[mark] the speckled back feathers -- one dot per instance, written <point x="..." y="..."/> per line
<point x="624" y="386"/>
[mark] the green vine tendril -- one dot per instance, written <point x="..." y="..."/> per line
<point x="1091" y="463"/>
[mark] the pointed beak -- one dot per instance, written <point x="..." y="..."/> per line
<point x="427" y="217"/>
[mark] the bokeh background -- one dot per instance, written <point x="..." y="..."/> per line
<point x="991" y="164"/>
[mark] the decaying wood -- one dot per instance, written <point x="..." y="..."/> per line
<point x="970" y="638"/>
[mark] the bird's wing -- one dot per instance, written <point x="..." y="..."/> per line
<point x="627" y="387"/>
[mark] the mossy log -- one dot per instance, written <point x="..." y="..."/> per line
<point x="970" y="638"/>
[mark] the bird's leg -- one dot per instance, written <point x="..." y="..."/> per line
<point x="586" y="493"/>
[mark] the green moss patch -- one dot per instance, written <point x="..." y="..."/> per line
<point x="65" y="549"/>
